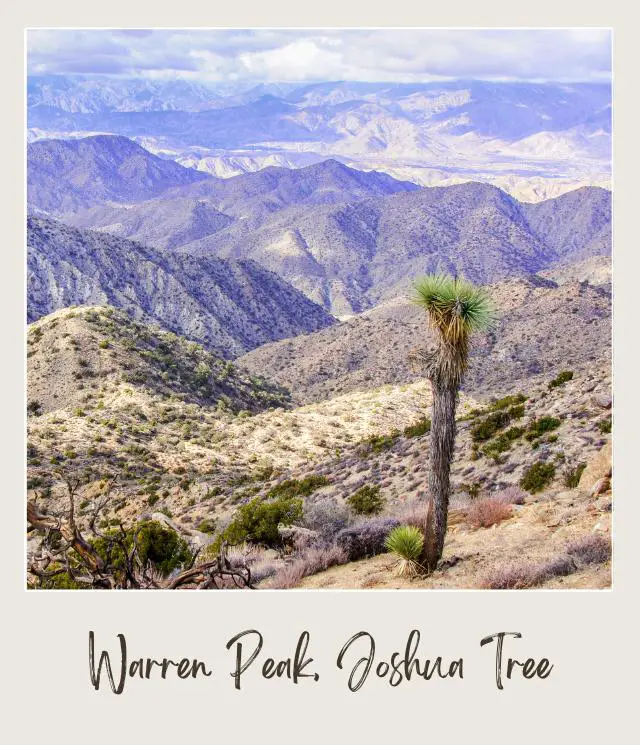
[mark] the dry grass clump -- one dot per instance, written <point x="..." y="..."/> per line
<point x="520" y="576"/>
<point x="327" y="517"/>
<point x="484" y="513"/>
<point x="312" y="561"/>
<point x="366" y="537"/>
<point x="511" y="495"/>
<point x="592" y="549"/>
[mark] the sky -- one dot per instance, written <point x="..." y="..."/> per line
<point x="294" y="55"/>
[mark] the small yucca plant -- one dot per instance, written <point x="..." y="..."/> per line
<point x="406" y="542"/>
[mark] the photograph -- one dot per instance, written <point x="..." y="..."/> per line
<point x="318" y="309"/>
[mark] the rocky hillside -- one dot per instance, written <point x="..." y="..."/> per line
<point x="541" y="326"/>
<point x="197" y="444"/>
<point x="74" y="350"/>
<point x="65" y="175"/>
<point x="230" y="306"/>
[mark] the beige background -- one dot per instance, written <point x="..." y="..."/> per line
<point x="589" y="636"/>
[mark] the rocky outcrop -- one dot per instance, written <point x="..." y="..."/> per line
<point x="595" y="477"/>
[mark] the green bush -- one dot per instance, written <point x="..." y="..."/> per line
<point x="298" y="487"/>
<point x="380" y="443"/>
<point x="207" y="526"/>
<point x="367" y="501"/>
<point x="562" y="378"/>
<point x="506" y="402"/>
<point x="487" y="427"/>
<point x="503" y="442"/>
<point x="604" y="425"/>
<point x="258" y="520"/>
<point x="537" y="476"/>
<point x="541" y="426"/>
<point x="158" y="545"/>
<point x="418" y="429"/>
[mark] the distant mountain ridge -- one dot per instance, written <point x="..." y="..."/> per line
<point x="66" y="175"/>
<point x="229" y="306"/>
<point x="350" y="239"/>
<point x="535" y="140"/>
<point x="351" y="256"/>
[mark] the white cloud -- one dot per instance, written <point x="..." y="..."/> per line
<point x="395" y="55"/>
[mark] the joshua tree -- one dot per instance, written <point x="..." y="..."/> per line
<point x="456" y="309"/>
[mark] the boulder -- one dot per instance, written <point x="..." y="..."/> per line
<point x="297" y="535"/>
<point x="602" y="485"/>
<point x="599" y="467"/>
<point x="602" y="399"/>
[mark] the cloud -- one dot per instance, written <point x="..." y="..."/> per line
<point x="281" y="55"/>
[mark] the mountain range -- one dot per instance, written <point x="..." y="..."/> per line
<point x="347" y="239"/>
<point x="230" y="306"/>
<point x="64" y="175"/>
<point x="535" y="140"/>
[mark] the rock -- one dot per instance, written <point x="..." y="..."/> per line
<point x="599" y="467"/>
<point x="602" y="485"/>
<point x="589" y="386"/>
<point x="603" y="400"/>
<point x="295" y="534"/>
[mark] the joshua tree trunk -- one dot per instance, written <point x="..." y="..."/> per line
<point x="443" y="434"/>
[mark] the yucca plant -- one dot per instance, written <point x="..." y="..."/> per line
<point x="456" y="310"/>
<point x="406" y="542"/>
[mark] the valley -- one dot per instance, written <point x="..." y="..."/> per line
<point x="226" y="364"/>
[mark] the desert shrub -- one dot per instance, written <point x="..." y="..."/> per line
<point x="511" y="495"/>
<point x="418" y="429"/>
<point x="366" y="537"/>
<point x="503" y="442"/>
<point x="563" y="377"/>
<point x="487" y="427"/>
<point x="311" y="561"/>
<point x="299" y="487"/>
<point x="472" y="489"/>
<point x="537" y="476"/>
<point x="416" y="513"/>
<point x="207" y="526"/>
<point x="541" y="426"/>
<point x="519" y="576"/>
<point x="258" y="520"/>
<point x="33" y="407"/>
<point x="592" y="549"/>
<point x="202" y="373"/>
<point x="327" y="517"/>
<point x="572" y="475"/>
<point x="380" y="443"/>
<point x="516" y="412"/>
<point x="506" y="402"/>
<point x="367" y="500"/>
<point x="484" y="513"/>
<point x="158" y="545"/>
<point x="604" y="425"/>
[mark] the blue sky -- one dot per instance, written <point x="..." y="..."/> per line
<point x="269" y="55"/>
